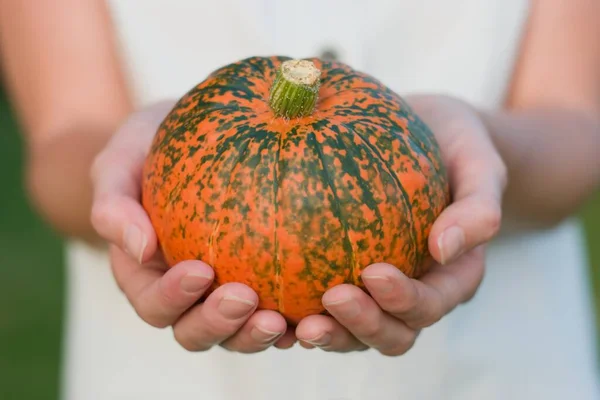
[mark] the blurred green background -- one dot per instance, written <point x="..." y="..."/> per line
<point x="31" y="280"/>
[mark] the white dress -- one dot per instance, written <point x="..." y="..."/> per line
<point x="528" y="334"/>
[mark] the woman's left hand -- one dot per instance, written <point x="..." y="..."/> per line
<point x="390" y="319"/>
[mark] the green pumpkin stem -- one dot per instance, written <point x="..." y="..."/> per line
<point x="296" y="89"/>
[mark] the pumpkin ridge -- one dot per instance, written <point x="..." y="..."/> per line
<point x="407" y="138"/>
<point x="424" y="136"/>
<point x="340" y="141"/>
<point x="402" y="137"/>
<point x="410" y="142"/>
<point x="250" y="62"/>
<point x="230" y="88"/>
<point x="336" y="94"/>
<point x="347" y="79"/>
<point x="336" y="203"/>
<point x="253" y="63"/>
<point x="276" y="259"/>
<point x="361" y="182"/>
<point x="187" y="126"/>
<point x="333" y="69"/>
<point x="404" y="195"/>
<point x="217" y="224"/>
<point x="416" y="142"/>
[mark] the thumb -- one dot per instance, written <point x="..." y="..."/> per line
<point x="464" y="225"/>
<point x="478" y="180"/>
<point x="117" y="214"/>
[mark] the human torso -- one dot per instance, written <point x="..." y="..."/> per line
<point x="466" y="48"/>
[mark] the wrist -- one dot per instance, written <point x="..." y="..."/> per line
<point x="58" y="183"/>
<point x="550" y="177"/>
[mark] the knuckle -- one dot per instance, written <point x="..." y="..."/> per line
<point x="491" y="218"/>
<point x="218" y="331"/>
<point x="120" y="286"/>
<point x="217" y="326"/>
<point x="371" y="332"/>
<point x="157" y="323"/>
<point x="188" y="343"/>
<point x="502" y="173"/>
<point x="404" y="302"/>
<point x="394" y="351"/>
<point x="427" y="319"/>
<point x="434" y="317"/>
<point x="192" y="346"/>
<point x="401" y="348"/>
<point x="439" y="307"/>
<point x="150" y="315"/>
<point x="167" y="298"/>
<point x="116" y="266"/>
<point x="472" y="291"/>
<point x="469" y="296"/>
<point x="210" y="331"/>
<point x="150" y="318"/>
<point x="97" y="167"/>
<point x="100" y="214"/>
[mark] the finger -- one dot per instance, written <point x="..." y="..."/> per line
<point x="464" y="225"/>
<point x="287" y="340"/>
<point x="260" y="332"/>
<point x="122" y="221"/>
<point x="223" y="313"/>
<point x="363" y="317"/>
<point x="476" y="173"/>
<point x="116" y="176"/>
<point x="421" y="303"/>
<point x="159" y="294"/>
<point x="307" y="345"/>
<point x="117" y="169"/>
<point x="328" y="334"/>
<point x="478" y="180"/>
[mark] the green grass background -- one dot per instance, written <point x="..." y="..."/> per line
<point x="32" y="280"/>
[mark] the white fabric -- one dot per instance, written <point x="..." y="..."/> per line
<point x="527" y="334"/>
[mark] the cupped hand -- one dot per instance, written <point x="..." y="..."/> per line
<point x="397" y="308"/>
<point x="163" y="296"/>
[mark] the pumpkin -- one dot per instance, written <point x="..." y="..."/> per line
<point x="291" y="176"/>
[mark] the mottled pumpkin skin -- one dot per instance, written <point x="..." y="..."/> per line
<point x="294" y="207"/>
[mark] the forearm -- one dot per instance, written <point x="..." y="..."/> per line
<point x="63" y="75"/>
<point x="553" y="161"/>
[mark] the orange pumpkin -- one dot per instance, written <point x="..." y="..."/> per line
<point x="291" y="176"/>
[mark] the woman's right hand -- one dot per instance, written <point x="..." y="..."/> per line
<point x="160" y="295"/>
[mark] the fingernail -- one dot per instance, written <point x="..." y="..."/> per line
<point x="380" y="283"/>
<point x="345" y="308"/>
<point x="262" y="335"/>
<point x="193" y="283"/>
<point x="323" y="339"/>
<point x="451" y="243"/>
<point x="233" y="307"/>
<point x="135" y="242"/>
